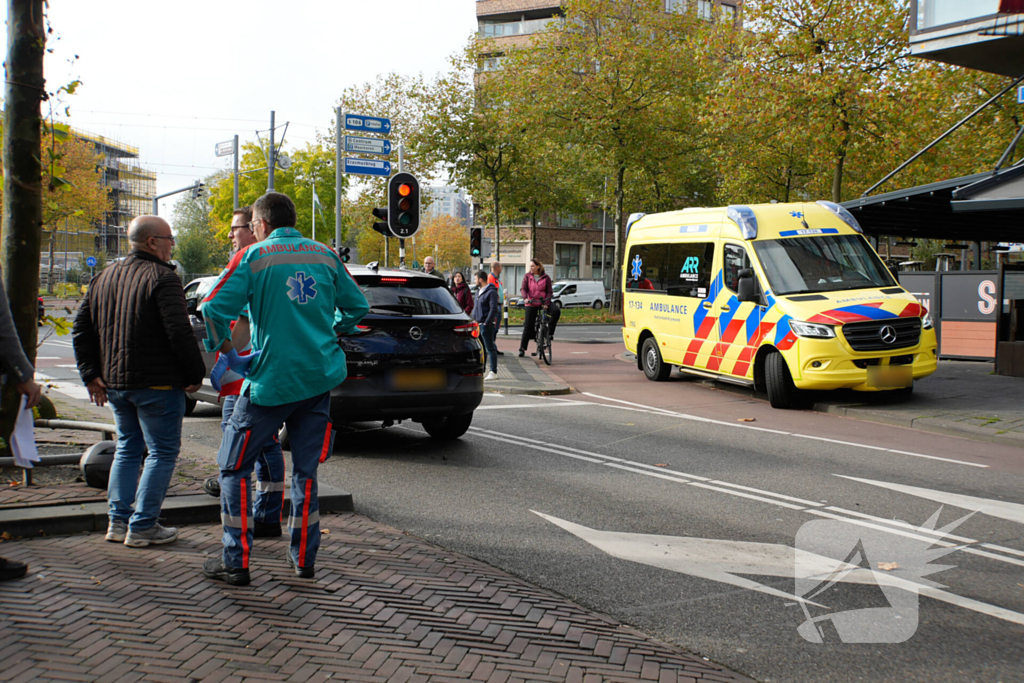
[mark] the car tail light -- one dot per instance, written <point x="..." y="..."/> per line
<point x="360" y="329"/>
<point x="394" y="279"/>
<point x="472" y="330"/>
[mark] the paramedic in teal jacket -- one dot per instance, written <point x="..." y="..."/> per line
<point x="293" y="287"/>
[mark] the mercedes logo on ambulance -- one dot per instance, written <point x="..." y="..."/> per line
<point x="416" y="333"/>
<point x="888" y="334"/>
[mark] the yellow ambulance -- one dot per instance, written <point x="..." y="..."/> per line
<point x="781" y="297"/>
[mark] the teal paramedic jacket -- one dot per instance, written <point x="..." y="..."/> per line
<point x="293" y="287"/>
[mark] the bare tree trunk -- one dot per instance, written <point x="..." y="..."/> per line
<point x="620" y="239"/>
<point x="533" y="233"/>
<point x="837" y="174"/>
<point x="23" y="191"/>
<point x="497" y="225"/>
<point x="49" y="275"/>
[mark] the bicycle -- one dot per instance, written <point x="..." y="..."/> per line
<point x="541" y="334"/>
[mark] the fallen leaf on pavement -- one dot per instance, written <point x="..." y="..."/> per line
<point x="6" y="536"/>
<point x="888" y="566"/>
<point x="325" y="531"/>
<point x="747" y="419"/>
<point x="661" y="464"/>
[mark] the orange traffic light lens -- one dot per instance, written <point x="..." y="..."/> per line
<point x="405" y="189"/>
<point x="405" y="204"/>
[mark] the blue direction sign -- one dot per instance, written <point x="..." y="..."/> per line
<point x="367" y="167"/>
<point x="358" y="145"/>
<point x="1020" y="94"/>
<point x="367" y="124"/>
<point x="91" y="261"/>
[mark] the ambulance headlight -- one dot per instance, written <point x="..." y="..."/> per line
<point x="812" y="330"/>
<point x="926" y="321"/>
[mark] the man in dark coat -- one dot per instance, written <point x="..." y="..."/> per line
<point x="486" y="310"/>
<point x="135" y="348"/>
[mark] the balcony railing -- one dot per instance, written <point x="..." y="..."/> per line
<point x="514" y="28"/>
<point x="933" y="14"/>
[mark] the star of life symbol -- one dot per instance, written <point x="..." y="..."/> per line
<point x="796" y="214"/>
<point x="637" y="267"/>
<point x="301" y="288"/>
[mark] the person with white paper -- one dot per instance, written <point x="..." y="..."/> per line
<point x="18" y="368"/>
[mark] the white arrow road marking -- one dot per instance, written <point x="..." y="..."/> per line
<point x="721" y="560"/>
<point x="72" y="389"/>
<point x="1013" y="512"/>
<point x="696" y="418"/>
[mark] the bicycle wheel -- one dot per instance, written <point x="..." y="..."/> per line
<point x="546" y="355"/>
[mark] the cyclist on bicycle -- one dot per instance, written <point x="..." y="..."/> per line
<point x="536" y="293"/>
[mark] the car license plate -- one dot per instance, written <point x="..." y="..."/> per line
<point x="419" y="380"/>
<point x="890" y="377"/>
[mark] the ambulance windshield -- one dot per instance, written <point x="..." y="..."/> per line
<point x="821" y="263"/>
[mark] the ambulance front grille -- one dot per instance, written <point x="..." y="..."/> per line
<point x="868" y="336"/>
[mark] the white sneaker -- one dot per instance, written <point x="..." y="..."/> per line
<point x="155" y="535"/>
<point x="490" y="375"/>
<point x="116" y="531"/>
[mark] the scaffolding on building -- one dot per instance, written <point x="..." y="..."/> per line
<point x="132" y="189"/>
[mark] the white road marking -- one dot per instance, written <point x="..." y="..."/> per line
<point x="72" y="389"/>
<point x="68" y="365"/>
<point x="1013" y="512"/>
<point x="535" y="405"/>
<point x="722" y="560"/>
<point x="50" y="357"/>
<point x="697" y="418"/>
<point x="749" y="493"/>
<point x="58" y="342"/>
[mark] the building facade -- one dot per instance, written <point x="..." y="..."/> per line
<point x="131" y="189"/>
<point x="448" y="200"/>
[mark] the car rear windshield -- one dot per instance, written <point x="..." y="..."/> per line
<point x="821" y="264"/>
<point x="407" y="296"/>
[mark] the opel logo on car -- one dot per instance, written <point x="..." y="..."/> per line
<point x="416" y="333"/>
<point x="888" y="334"/>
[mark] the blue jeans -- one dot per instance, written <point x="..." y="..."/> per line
<point x="251" y="429"/>
<point x="490" y="331"/>
<point x="270" y="488"/>
<point x="145" y="418"/>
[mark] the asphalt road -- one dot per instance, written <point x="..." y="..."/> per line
<point x="666" y="507"/>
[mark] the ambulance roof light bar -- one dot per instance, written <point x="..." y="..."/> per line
<point x="633" y="218"/>
<point x="744" y="217"/>
<point x="844" y="215"/>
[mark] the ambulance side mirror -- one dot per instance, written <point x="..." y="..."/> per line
<point x="747" y="286"/>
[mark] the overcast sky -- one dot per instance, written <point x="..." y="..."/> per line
<point x="174" y="78"/>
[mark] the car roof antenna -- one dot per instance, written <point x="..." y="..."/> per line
<point x="373" y="265"/>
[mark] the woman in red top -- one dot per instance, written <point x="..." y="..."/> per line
<point x="536" y="292"/>
<point x="461" y="291"/>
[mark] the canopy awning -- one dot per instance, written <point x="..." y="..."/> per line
<point x="985" y="207"/>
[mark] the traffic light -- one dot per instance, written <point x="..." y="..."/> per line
<point x="344" y="253"/>
<point x="476" y="242"/>
<point x="382" y="228"/>
<point x="404" y="205"/>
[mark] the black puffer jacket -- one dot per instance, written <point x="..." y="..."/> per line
<point x="133" y="329"/>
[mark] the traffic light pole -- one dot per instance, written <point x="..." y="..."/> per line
<point x="194" y="187"/>
<point x="273" y="161"/>
<point x="236" y="173"/>
<point x="401" y="169"/>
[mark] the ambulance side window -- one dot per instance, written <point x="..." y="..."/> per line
<point x="676" y="269"/>
<point x="734" y="259"/>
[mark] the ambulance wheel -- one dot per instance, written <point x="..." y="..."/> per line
<point x="655" y="368"/>
<point x="448" y="428"/>
<point x="782" y="393"/>
<point x="190" y="406"/>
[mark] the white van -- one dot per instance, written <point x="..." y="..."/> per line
<point x="579" y="293"/>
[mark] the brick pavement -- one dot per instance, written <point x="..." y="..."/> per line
<point x="384" y="607"/>
<point x="189" y="473"/>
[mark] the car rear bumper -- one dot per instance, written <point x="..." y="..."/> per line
<point x="359" y="400"/>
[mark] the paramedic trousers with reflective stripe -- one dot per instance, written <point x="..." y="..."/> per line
<point x="251" y="429"/>
<point x="269" y="497"/>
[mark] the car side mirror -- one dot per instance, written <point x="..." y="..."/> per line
<point x="193" y="307"/>
<point x="747" y="286"/>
